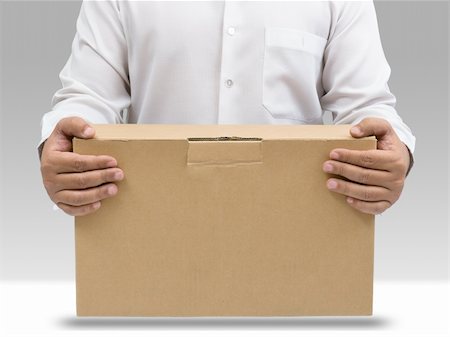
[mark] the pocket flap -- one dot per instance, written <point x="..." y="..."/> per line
<point x="295" y="39"/>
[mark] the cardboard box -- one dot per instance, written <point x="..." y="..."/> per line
<point x="223" y="220"/>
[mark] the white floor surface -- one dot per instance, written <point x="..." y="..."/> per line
<point x="400" y="309"/>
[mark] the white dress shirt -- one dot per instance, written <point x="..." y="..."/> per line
<point x="226" y="63"/>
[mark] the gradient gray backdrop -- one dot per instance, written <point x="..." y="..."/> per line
<point x="38" y="243"/>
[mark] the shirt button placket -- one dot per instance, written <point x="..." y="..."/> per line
<point x="228" y="86"/>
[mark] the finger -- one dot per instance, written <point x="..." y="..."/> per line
<point x="68" y="162"/>
<point x="358" y="174"/>
<point x="79" y="210"/>
<point x="84" y="197"/>
<point x="78" y="181"/>
<point x="373" y="159"/>
<point x="65" y="130"/>
<point x="371" y="127"/>
<point x="374" y="208"/>
<point x="361" y="192"/>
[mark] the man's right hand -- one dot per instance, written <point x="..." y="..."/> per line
<point x="76" y="183"/>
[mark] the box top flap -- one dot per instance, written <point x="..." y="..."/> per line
<point x="180" y="132"/>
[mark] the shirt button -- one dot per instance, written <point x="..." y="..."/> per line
<point x="231" y="31"/>
<point x="229" y="83"/>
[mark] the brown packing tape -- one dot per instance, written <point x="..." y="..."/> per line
<point x="202" y="153"/>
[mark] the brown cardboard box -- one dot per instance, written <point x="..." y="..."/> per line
<point x="223" y="220"/>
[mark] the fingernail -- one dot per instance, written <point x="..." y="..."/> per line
<point x="88" y="132"/>
<point x="350" y="200"/>
<point x="118" y="175"/>
<point x="328" y="168"/>
<point x="331" y="184"/>
<point x="112" y="190"/>
<point x="111" y="163"/>
<point x="96" y="205"/>
<point x="334" y="155"/>
<point x="356" y="130"/>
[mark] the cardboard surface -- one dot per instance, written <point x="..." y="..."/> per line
<point x="237" y="226"/>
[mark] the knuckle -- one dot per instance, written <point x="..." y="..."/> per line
<point x="65" y="120"/>
<point x="398" y="163"/>
<point x="381" y="207"/>
<point x="45" y="168"/>
<point x="344" y="187"/>
<point x="92" y="207"/>
<point x="102" y="192"/>
<point x="107" y="175"/>
<point x="72" y="123"/>
<point x="84" y="210"/>
<point x="367" y="194"/>
<point x="48" y="184"/>
<point x="388" y="126"/>
<point x="56" y="198"/>
<point x="397" y="184"/>
<point x="63" y="142"/>
<point x="82" y="181"/>
<point x="394" y="197"/>
<point x="68" y="210"/>
<point x="79" y="165"/>
<point x="60" y="124"/>
<point x="384" y="123"/>
<point x="340" y="169"/>
<point x="364" y="177"/>
<point x="403" y="168"/>
<point x="375" y="210"/>
<point x="367" y="211"/>
<point x="367" y="159"/>
<point x="344" y="156"/>
<point x="77" y="198"/>
<point x="63" y="125"/>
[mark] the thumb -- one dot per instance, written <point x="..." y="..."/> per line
<point x="371" y="127"/>
<point x="67" y="129"/>
<point x="377" y="127"/>
<point x="75" y="127"/>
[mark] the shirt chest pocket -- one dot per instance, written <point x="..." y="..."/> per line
<point x="292" y="73"/>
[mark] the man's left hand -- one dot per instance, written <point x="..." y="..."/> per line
<point x="374" y="178"/>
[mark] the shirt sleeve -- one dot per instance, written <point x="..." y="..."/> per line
<point x="356" y="73"/>
<point x="95" y="81"/>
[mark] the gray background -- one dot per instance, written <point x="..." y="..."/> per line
<point x="37" y="243"/>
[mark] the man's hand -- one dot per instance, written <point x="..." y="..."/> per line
<point x="76" y="183"/>
<point x="375" y="177"/>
